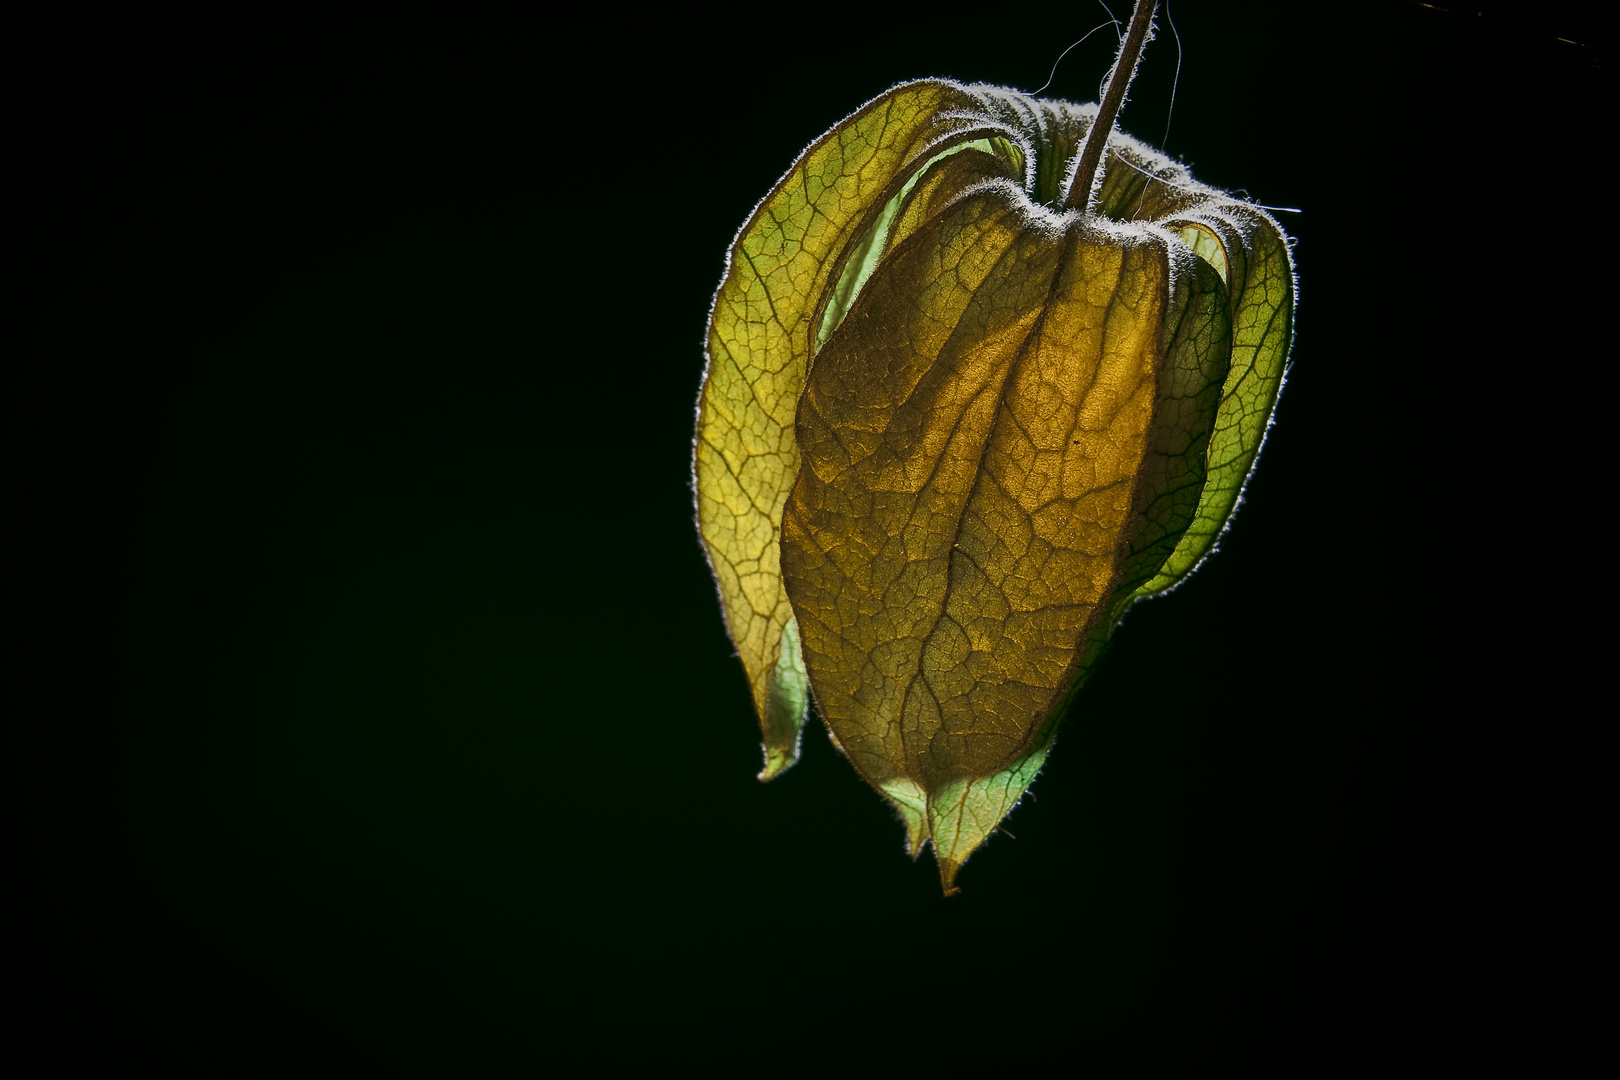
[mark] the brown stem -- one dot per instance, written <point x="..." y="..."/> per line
<point x="1119" y="80"/>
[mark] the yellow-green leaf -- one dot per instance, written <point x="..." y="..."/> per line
<point x="760" y="331"/>
<point x="951" y="429"/>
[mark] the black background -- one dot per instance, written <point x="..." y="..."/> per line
<point x="382" y="713"/>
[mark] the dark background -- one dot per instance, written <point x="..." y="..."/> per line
<point x="376" y="710"/>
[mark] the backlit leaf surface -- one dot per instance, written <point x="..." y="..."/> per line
<point x="950" y="430"/>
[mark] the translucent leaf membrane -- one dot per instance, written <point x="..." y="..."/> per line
<point x="744" y="457"/>
<point x="950" y="431"/>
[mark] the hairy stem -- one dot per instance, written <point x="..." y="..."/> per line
<point x="1081" y="195"/>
